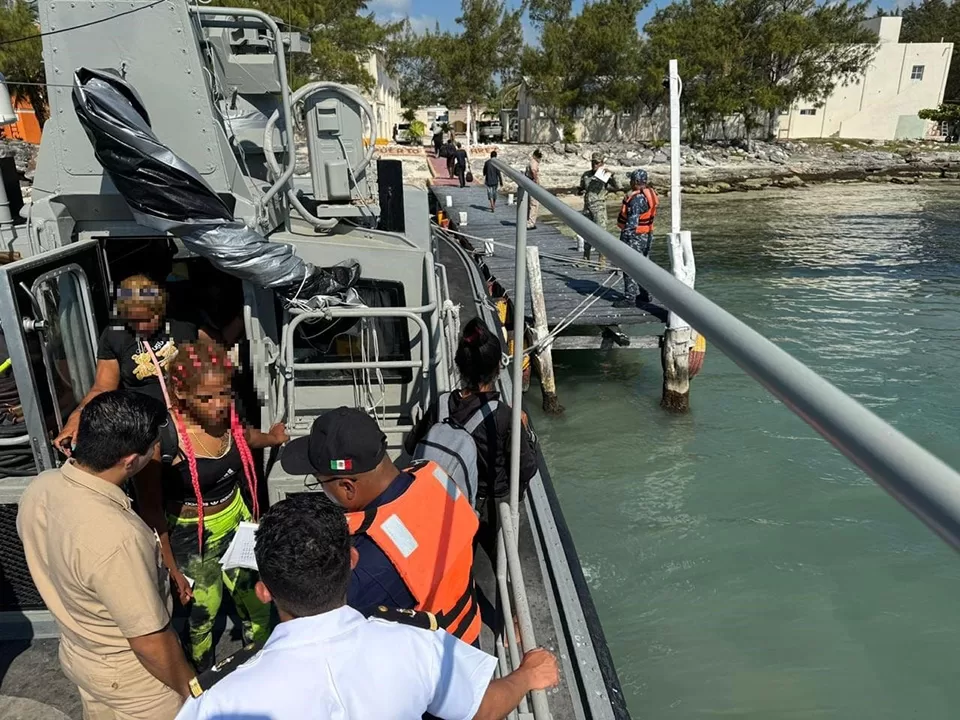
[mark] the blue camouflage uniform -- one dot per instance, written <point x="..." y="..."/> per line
<point x="636" y="206"/>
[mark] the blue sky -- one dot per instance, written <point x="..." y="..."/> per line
<point x="425" y="13"/>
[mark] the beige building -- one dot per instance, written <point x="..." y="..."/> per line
<point x="883" y="104"/>
<point x="384" y="97"/>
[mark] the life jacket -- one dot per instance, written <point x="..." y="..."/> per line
<point x="645" y="221"/>
<point x="427" y="534"/>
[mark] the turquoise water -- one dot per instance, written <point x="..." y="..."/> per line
<point x="743" y="568"/>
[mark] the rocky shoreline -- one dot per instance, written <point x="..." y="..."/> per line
<point x="747" y="165"/>
<point x="734" y="166"/>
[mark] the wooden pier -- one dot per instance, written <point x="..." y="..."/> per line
<point x="568" y="307"/>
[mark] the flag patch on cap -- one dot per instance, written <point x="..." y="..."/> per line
<point x="341" y="465"/>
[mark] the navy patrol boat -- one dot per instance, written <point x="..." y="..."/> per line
<point x="199" y="96"/>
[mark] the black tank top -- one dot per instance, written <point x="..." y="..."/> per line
<point x="218" y="478"/>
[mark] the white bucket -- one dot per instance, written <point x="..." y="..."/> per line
<point x="463" y="218"/>
<point x="488" y="247"/>
<point x="449" y="200"/>
<point x="511" y="199"/>
<point x="579" y="244"/>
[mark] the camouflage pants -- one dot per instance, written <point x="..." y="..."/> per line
<point x="597" y="212"/>
<point x="640" y="243"/>
<point x="210" y="580"/>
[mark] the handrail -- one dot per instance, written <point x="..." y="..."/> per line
<point x="300" y="316"/>
<point x="921" y="482"/>
<point x="284" y="86"/>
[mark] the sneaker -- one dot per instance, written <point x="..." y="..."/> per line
<point x="625" y="303"/>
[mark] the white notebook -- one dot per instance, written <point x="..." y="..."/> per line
<point x="240" y="553"/>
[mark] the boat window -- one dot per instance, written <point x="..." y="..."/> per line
<point x="380" y="338"/>
<point x="68" y="341"/>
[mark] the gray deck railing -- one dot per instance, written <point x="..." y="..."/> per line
<point x="921" y="482"/>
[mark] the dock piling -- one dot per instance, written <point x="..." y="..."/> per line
<point x="544" y="356"/>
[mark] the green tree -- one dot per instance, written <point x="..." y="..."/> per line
<point x="933" y="21"/>
<point x="593" y="59"/>
<point x="22" y="62"/>
<point x="475" y="62"/>
<point x="342" y="34"/>
<point x="757" y="57"/>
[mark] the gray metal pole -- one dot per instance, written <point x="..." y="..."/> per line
<point x="519" y="302"/>
<point x="917" y="479"/>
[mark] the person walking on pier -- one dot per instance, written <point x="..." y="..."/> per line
<point x="637" y="213"/>
<point x="595" y="183"/>
<point x="460" y="165"/>
<point x="493" y="179"/>
<point x="532" y="171"/>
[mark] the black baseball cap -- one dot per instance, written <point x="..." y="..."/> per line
<point x="344" y="441"/>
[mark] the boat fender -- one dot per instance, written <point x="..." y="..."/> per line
<point x="218" y="672"/>
<point x="415" y="618"/>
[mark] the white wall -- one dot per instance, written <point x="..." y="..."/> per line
<point x="385" y="96"/>
<point x="883" y="104"/>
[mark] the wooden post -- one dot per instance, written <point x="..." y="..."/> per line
<point x="675" y="359"/>
<point x="544" y="357"/>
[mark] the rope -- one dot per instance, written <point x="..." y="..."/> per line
<point x="570" y="317"/>
<point x="560" y="258"/>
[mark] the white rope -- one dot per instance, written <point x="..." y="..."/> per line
<point x="560" y="258"/>
<point x="572" y="316"/>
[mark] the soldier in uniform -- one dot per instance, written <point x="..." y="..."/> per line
<point x="595" y="183"/>
<point x="637" y="213"/>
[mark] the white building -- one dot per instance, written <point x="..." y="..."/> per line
<point x="384" y="97"/>
<point x="883" y="104"/>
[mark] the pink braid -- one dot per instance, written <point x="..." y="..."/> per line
<point x="246" y="458"/>
<point x="194" y="476"/>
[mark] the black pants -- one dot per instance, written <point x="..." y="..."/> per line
<point x="461" y="172"/>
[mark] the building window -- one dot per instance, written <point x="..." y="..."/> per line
<point x="808" y="111"/>
<point x="917" y="72"/>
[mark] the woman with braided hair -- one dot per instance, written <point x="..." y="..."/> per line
<point x="201" y="504"/>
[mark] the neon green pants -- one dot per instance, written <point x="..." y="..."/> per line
<point x="210" y="580"/>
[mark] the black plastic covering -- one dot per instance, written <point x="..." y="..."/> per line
<point x="167" y="194"/>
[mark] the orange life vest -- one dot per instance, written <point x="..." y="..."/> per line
<point x="427" y="533"/>
<point x="645" y="221"/>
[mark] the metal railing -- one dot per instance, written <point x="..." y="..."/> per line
<point x="917" y="479"/>
<point x="290" y="367"/>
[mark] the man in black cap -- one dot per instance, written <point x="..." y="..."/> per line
<point x="413" y="529"/>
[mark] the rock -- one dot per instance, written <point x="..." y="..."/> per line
<point x="877" y="178"/>
<point x="557" y="147"/>
<point x="756" y="183"/>
<point x="704" y="160"/>
<point x="571" y="148"/>
<point x="723" y="187"/>
<point x="904" y="180"/>
<point x="950" y="175"/>
<point x="659" y="157"/>
<point x="791" y="182"/>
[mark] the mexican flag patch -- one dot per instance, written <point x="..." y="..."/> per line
<point x="340" y="465"/>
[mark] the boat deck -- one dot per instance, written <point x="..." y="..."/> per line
<point x="566" y="289"/>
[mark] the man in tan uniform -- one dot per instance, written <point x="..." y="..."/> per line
<point x="98" y="568"/>
<point x="532" y="171"/>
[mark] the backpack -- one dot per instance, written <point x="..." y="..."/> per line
<point x="451" y="445"/>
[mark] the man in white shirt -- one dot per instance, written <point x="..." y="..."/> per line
<point x="325" y="660"/>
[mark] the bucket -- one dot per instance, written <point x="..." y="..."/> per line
<point x="511" y="199"/>
<point x="463" y="218"/>
<point x="449" y="201"/>
<point x="488" y="247"/>
<point x="579" y="244"/>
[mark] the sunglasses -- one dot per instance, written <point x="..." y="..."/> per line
<point x="130" y="293"/>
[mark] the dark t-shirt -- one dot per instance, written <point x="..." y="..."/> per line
<point x="491" y="176"/>
<point x="137" y="371"/>
<point x="375" y="581"/>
